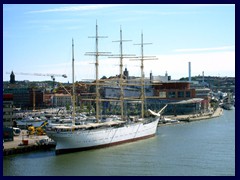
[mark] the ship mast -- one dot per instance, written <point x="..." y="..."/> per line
<point x="97" y="54"/>
<point x="73" y="91"/>
<point x="142" y="78"/>
<point x="121" y="56"/>
<point x="142" y="59"/>
<point x="121" y="74"/>
<point x="97" y="81"/>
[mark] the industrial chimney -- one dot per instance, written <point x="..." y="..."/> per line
<point x="203" y="76"/>
<point x="189" y="71"/>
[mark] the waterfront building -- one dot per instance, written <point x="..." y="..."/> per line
<point x="26" y="98"/>
<point x="182" y="97"/>
<point x="7" y="117"/>
<point x="48" y="99"/>
<point x="174" y="91"/>
<point x="159" y="78"/>
<point x="60" y="100"/>
<point x="159" y="91"/>
<point x="205" y="94"/>
<point x="21" y="97"/>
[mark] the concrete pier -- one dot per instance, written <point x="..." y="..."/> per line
<point x="196" y="117"/>
<point x="24" y="143"/>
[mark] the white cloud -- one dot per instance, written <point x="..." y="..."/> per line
<point x="212" y="63"/>
<point x="205" y="5"/>
<point x="205" y="49"/>
<point x="76" y="8"/>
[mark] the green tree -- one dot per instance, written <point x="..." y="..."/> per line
<point x="67" y="107"/>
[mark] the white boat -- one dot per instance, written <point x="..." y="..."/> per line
<point x="82" y="137"/>
<point x="228" y="103"/>
<point x="29" y="121"/>
<point x="72" y="137"/>
<point x="168" y="120"/>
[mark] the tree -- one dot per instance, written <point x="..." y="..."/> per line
<point x="67" y="107"/>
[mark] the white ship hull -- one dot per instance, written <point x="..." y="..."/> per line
<point x="101" y="137"/>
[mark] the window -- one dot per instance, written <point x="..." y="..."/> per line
<point x="162" y="94"/>
<point x="188" y="94"/>
<point x="171" y="94"/>
<point x="180" y="94"/>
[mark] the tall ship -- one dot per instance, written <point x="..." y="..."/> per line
<point x="73" y="137"/>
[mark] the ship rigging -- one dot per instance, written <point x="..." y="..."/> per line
<point x="74" y="137"/>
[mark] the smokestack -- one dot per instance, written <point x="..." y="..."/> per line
<point x="189" y="71"/>
<point x="151" y="77"/>
<point x="203" y="76"/>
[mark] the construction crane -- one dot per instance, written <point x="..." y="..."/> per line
<point x="40" y="74"/>
<point x="37" y="130"/>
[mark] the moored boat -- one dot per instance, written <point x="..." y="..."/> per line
<point x="82" y="137"/>
<point x="228" y="104"/>
<point x="72" y="137"/>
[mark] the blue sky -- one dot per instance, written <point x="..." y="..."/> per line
<point x="37" y="39"/>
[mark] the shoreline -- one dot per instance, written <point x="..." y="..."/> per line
<point x="196" y="117"/>
<point x="24" y="143"/>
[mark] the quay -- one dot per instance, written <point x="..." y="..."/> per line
<point x="24" y="143"/>
<point x="196" y="117"/>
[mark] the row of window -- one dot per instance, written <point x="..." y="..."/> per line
<point x="7" y="112"/>
<point x="173" y="94"/>
<point x="7" y="105"/>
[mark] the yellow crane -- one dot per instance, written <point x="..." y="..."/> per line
<point x="37" y="130"/>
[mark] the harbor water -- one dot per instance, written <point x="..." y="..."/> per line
<point x="201" y="148"/>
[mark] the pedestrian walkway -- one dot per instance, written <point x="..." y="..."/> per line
<point x="218" y="112"/>
<point x="195" y="117"/>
